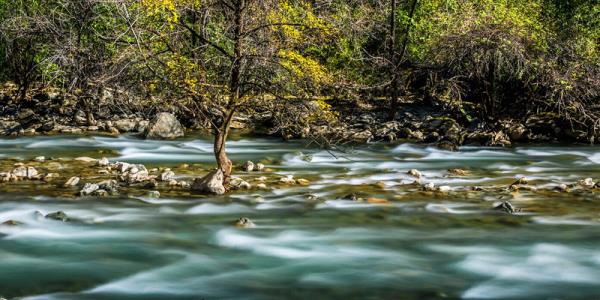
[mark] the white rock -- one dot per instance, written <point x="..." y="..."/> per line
<point x="168" y="175"/>
<point x="103" y="162"/>
<point x="587" y="183"/>
<point x="88" y="189"/>
<point x="414" y="173"/>
<point x="86" y="159"/>
<point x="73" y="181"/>
<point x="288" y="179"/>
<point x="429" y="187"/>
<point x="248" y="166"/>
<point x="443" y="189"/>
<point x="40" y="159"/>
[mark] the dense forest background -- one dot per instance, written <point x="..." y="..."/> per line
<point x="207" y="60"/>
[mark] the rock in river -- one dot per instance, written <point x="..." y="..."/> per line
<point x="244" y="223"/>
<point x="248" y="166"/>
<point x="212" y="183"/>
<point x="88" y="189"/>
<point x="58" y="215"/>
<point x="164" y="126"/>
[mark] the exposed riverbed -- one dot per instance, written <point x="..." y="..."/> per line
<point x="309" y="241"/>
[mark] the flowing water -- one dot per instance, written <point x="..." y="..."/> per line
<point x="309" y="242"/>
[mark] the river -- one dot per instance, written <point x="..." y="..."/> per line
<point x="310" y="243"/>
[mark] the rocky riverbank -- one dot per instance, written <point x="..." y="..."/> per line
<point x="47" y="113"/>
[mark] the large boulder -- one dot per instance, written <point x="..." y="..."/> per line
<point x="164" y="126"/>
<point x="212" y="183"/>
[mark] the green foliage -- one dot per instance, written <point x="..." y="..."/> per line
<point x="541" y="54"/>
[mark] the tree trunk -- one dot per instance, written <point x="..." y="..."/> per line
<point x="394" y="57"/>
<point x="223" y="162"/>
<point x="394" y="64"/>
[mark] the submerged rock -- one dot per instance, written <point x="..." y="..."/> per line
<point x="374" y="200"/>
<point x="58" y="215"/>
<point x="458" y="172"/>
<point x="302" y="181"/>
<point x="506" y="207"/>
<point x="164" y="126"/>
<point x="244" y="223"/>
<point x="153" y="194"/>
<point x="11" y="223"/>
<point x="212" y="183"/>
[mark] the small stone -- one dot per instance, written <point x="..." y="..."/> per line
<point x="561" y="188"/>
<point x="58" y="215"/>
<point x="261" y="186"/>
<point x="458" y="172"/>
<point x="11" y="223"/>
<point x="248" y="166"/>
<point x="103" y="162"/>
<point x="245" y="185"/>
<point x="40" y="159"/>
<point x="302" y="181"/>
<point x="414" y="173"/>
<point x="244" y="223"/>
<point x="122" y="166"/>
<point x="587" y="183"/>
<point x="351" y="197"/>
<point x="100" y="193"/>
<point x="521" y="181"/>
<point x="50" y="176"/>
<point x="259" y="167"/>
<point x="184" y="184"/>
<point x="153" y="194"/>
<point x="168" y="175"/>
<point x="288" y="180"/>
<point x="25" y="172"/>
<point x="429" y="187"/>
<point x="443" y="189"/>
<point x="88" y="189"/>
<point x="172" y="182"/>
<point x="374" y="200"/>
<point x="151" y="184"/>
<point x="86" y="159"/>
<point x="103" y="172"/>
<point x="261" y="179"/>
<point x="505" y="206"/>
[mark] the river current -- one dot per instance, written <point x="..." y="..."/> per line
<point x="309" y="241"/>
